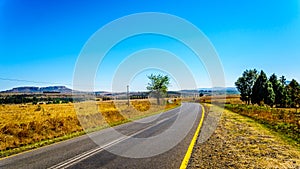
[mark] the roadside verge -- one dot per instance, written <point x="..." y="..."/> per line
<point x="241" y="142"/>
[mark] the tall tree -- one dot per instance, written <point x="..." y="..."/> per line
<point x="262" y="91"/>
<point x="286" y="99"/>
<point x="245" y="83"/>
<point x="282" y="79"/>
<point x="279" y="90"/>
<point x="158" y="85"/>
<point x="269" y="97"/>
<point x="294" y="93"/>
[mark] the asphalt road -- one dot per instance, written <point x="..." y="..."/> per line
<point x="159" y="141"/>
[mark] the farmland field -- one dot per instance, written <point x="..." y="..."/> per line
<point x="32" y="126"/>
<point x="232" y="99"/>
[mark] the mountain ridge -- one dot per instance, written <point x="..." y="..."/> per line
<point x="64" y="89"/>
<point x="34" y="89"/>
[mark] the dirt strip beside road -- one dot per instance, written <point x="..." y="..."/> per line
<point x="240" y="142"/>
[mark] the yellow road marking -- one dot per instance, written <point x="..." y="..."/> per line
<point x="188" y="154"/>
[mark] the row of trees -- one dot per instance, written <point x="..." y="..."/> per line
<point x="23" y="98"/>
<point x="257" y="88"/>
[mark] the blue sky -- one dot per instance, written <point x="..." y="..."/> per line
<point x="41" y="40"/>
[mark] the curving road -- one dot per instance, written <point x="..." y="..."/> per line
<point x="159" y="141"/>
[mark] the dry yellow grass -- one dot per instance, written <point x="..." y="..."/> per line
<point x="25" y="124"/>
<point x="240" y="142"/>
<point x="22" y="125"/>
<point x="228" y="99"/>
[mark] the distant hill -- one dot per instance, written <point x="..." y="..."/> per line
<point x="49" y="89"/>
<point x="219" y="90"/>
<point x="63" y="89"/>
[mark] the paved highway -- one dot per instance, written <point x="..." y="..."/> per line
<point x="159" y="141"/>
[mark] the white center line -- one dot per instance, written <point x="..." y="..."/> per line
<point x="85" y="155"/>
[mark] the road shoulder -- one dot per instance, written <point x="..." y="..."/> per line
<point x="240" y="142"/>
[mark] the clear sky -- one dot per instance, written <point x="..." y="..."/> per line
<point x="41" y="40"/>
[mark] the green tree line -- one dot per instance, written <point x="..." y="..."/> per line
<point x="22" y="99"/>
<point x="256" y="88"/>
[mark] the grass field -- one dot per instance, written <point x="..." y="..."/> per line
<point x="285" y="121"/>
<point x="32" y="126"/>
<point x="228" y="99"/>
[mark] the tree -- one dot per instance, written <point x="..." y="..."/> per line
<point x="34" y="100"/>
<point x="245" y="84"/>
<point x="282" y="80"/>
<point x="279" y="89"/>
<point x="262" y="91"/>
<point x="269" y="97"/>
<point x="294" y="93"/>
<point x="158" y="85"/>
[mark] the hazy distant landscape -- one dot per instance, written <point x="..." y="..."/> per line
<point x="149" y="84"/>
<point x="56" y="94"/>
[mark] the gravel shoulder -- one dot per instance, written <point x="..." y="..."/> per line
<point x="240" y="142"/>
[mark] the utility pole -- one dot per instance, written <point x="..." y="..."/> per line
<point x="128" y="95"/>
